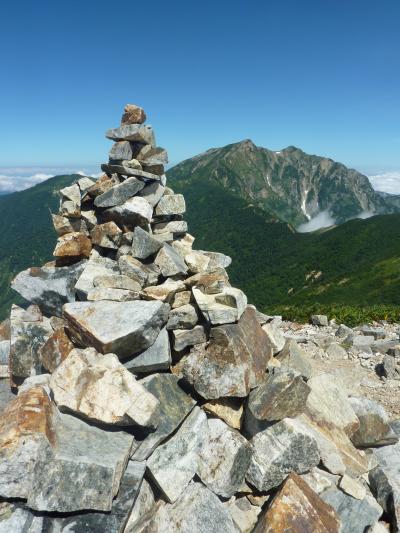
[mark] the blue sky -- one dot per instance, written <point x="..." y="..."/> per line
<point x="324" y="76"/>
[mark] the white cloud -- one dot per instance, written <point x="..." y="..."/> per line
<point x="14" y="179"/>
<point x="322" y="220"/>
<point x="386" y="182"/>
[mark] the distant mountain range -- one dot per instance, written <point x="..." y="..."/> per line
<point x="245" y="201"/>
<point x="290" y="184"/>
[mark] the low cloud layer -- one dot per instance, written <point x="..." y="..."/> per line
<point x="387" y="182"/>
<point x="322" y="220"/>
<point x="21" y="178"/>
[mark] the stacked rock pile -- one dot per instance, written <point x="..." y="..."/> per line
<point x="152" y="398"/>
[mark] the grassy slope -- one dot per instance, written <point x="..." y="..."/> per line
<point x="359" y="260"/>
<point x="27" y="237"/>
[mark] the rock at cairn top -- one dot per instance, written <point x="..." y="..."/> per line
<point x="150" y="397"/>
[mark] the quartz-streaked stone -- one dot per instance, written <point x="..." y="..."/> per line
<point x="173" y="464"/>
<point x="230" y="410"/>
<point x="175" y="405"/>
<point x="165" y="291"/>
<point x="116" y="281"/>
<point x="355" y="515"/>
<point x="112" y="522"/>
<point x="198" y="510"/>
<point x="156" y="357"/>
<point x="143" y="244"/>
<point x="276" y="338"/>
<point x="374" y="427"/>
<point x="243" y="513"/>
<point x="119" y="193"/>
<point x="29" y="332"/>
<point x="49" y="287"/>
<point x="135" y="210"/>
<point x="132" y="132"/>
<point x="170" y="262"/>
<point x="93" y="269"/>
<point x="144" y="502"/>
<point x="182" y="338"/>
<point x="234" y="362"/>
<point x="224" y="459"/>
<point x="280" y="449"/>
<point x="123" y="328"/>
<point x="298" y="509"/>
<point x="100" y="388"/>
<point x="115" y="295"/>
<point x="171" y="204"/>
<point x="294" y="357"/>
<point x="84" y="456"/>
<point x="320" y="480"/>
<point x="106" y="235"/>
<point x="353" y="487"/>
<point x="223" y="308"/>
<point x="173" y="226"/>
<point x="328" y="403"/>
<point x="284" y="394"/>
<point x="184" y="317"/>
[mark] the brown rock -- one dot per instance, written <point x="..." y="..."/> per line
<point x="230" y="410"/>
<point x="106" y="235"/>
<point x="298" y="509"/>
<point x="209" y="282"/>
<point x="55" y="350"/>
<point x="103" y="184"/>
<point x="73" y="245"/>
<point x="234" y="362"/>
<point x="133" y="114"/>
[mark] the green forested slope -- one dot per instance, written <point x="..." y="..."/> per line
<point x="27" y="237"/>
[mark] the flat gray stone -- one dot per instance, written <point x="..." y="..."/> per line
<point x="284" y="394"/>
<point x="116" y="281"/>
<point x="16" y="518"/>
<point x="4" y="352"/>
<point x="224" y="459"/>
<point x="92" y="270"/>
<point x="279" y="450"/>
<point x="175" y="406"/>
<point x="374" y="427"/>
<point x="183" y="338"/>
<point x="119" y="193"/>
<point x="173" y="464"/>
<point x="133" y="211"/>
<point x="275" y="336"/>
<point x="48" y="287"/>
<point x="198" y="511"/>
<point x="6" y="396"/>
<point x="124" y="170"/>
<point x="294" y="357"/>
<point x="153" y="191"/>
<point x="173" y="226"/>
<point x="183" y="317"/>
<point x="171" y="204"/>
<point x="156" y="357"/>
<point x="356" y="515"/>
<point x="170" y="262"/>
<point x="123" y="328"/>
<point x="319" y="320"/>
<point x="141" y="133"/>
<point x="121" y="150"/>
<point x="144" y="503"/>
<point x="143" y="244"/>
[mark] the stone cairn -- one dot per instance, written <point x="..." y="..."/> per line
<point x="151" y="397"/>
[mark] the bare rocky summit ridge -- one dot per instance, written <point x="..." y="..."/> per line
<point x="139" y="392"/>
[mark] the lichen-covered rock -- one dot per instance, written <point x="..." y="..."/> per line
<point x="173" y="464"/>
<point x="224" y="459"/>
<point x="279" y="450"/>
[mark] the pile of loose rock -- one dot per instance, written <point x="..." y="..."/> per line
<point x="141" y="393"/>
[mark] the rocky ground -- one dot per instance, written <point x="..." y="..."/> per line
<point x="140" y="393"/>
